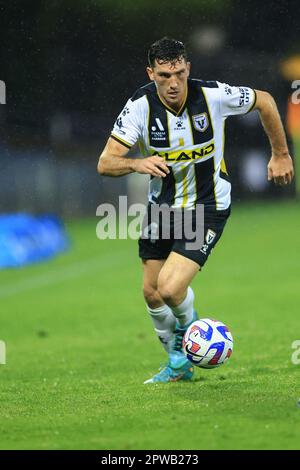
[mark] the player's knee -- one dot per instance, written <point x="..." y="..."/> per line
<point x="151" y="295"/>
<point x="168" y="292"/>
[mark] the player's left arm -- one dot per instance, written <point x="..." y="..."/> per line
<point x="280" y="166"/>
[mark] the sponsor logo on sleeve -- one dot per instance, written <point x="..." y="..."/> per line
<point x="120" y="125"/>
<point x="125" y="111"/>
<point x="244" y="96"/>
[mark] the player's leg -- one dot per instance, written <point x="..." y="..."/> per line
<point x="174" y="286"/>
<point x="163" y="319"/>
<point x="174" y="279"/>
<point x="183" y="263"/>
<point x="151" y="270"/>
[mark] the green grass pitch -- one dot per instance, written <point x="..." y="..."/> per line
<point x="80" y="344"/>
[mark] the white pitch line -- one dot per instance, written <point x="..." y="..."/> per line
<point x="58" y="274"/>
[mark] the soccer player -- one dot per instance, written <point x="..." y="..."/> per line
<point x="179" y="124"/>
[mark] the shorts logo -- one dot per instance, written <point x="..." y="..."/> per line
<point x="200" y="122"/>
<point x="210" y="236"/>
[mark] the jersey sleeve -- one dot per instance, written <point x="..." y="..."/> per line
<point x="236" y="100"/>
<point x="126" y="128"/>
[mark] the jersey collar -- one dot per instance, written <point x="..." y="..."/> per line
<point x="180" y="111"/>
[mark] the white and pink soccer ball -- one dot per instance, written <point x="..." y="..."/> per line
<point x="207" y="343"/>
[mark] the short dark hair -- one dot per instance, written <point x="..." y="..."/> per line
<point x="166" y="50"/>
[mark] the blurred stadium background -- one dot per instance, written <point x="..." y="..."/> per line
<point x="69" y="66"/>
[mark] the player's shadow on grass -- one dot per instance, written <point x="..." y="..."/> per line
<point x="208" y="378"/>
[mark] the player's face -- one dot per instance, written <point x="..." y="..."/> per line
<point x="171" y="81"/>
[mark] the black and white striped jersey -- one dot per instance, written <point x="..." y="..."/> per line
<point x="190" y="141"/>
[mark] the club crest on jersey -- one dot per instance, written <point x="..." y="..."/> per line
<point x="200" y="122"/>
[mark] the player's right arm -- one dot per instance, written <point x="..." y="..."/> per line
<point x="114" y="162"/>
<point x="126" y="132"/>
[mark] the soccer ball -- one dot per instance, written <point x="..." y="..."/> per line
<point x="207" y="343"/>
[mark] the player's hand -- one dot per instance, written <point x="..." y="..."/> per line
<point x="154" y="166"/>
<point x="281" y="169"/>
